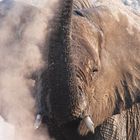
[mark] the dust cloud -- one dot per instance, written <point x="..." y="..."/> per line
<point x="22" y="38"/>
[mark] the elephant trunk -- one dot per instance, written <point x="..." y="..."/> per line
<point x="64" y="95"/>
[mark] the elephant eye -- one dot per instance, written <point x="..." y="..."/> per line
<point x="94" y="70"/>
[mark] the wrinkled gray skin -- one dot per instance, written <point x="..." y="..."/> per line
<point x="93" y="70"/>
<point x="31" y="21"/>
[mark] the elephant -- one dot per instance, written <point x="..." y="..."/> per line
<point x="90" y="84"/>
<point x="90" y="27"/>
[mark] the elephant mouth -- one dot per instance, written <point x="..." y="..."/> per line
<point x="85" y="121"/>
<point x="78" y="127"/>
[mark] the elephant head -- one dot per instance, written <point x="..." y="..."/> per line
<point x="73" y="62"/>
<point x="93" y="70"/>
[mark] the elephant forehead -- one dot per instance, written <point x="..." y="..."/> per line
<point x="84" y="39"/>
<point x="83" y="29"/>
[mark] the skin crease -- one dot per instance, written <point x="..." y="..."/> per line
<point x="93" y="70"/>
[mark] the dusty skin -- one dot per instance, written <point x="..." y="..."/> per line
<point x="22" y="39"/>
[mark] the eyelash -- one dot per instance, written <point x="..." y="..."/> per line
<point x="95" y="70"/>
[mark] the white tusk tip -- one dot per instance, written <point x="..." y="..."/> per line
<point x="38" y="121"/>
<point x="89" y="123"/>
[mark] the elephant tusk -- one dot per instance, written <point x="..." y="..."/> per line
<point x="38" y="121"/>
<point x="89" y="123"/>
